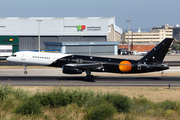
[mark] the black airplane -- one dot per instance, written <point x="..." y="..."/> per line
<point x="77" y="64"/>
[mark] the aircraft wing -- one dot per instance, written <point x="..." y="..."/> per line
<point x="91" y="66"/>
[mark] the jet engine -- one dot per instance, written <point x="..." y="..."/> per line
<point x="71" y="70"/>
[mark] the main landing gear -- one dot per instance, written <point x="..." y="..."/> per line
<point x="89" y="76"/>
<point x="25" y="72"/>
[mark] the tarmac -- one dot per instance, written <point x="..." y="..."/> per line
<point x="55" y="77"/>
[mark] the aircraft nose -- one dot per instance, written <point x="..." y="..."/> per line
<point x="8" y="59"/>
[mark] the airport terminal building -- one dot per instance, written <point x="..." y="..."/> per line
<point x="22" y="33"/>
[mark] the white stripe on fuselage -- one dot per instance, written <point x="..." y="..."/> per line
<point x="37" y="58"/>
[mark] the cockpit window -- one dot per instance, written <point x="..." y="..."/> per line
<point x="13" y="55"/>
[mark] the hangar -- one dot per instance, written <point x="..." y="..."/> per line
<point x="69" y="29"/>
<point x="8" y="45"/>
<point x="84" y="48"/>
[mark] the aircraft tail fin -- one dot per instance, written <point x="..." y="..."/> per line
<point x="157" y="54"/>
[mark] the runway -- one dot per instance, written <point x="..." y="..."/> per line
<point x="54" y="77"/>
<point x="97" y="81"/>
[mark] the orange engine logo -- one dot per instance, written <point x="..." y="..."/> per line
<point x="125" y="66"/>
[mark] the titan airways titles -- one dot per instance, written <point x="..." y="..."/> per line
<point x="77" y="64"/>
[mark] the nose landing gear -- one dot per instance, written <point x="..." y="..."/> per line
<point x="25" y="72"/>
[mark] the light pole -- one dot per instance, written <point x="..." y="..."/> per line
<point x="128" y="34"/>
<point x="39" y="34"/>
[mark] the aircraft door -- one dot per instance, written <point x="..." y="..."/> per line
<point x="23" y="57"/>
<point x="139" y="66"/>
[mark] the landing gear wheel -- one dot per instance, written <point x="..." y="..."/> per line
<point x="25" y="72"/>
<point x="89" y="77"/>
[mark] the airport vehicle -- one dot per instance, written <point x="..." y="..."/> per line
<point x="77" y="64"/>
<point x="141" y="53"/>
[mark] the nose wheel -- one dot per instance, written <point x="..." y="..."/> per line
<point x="25" y="72"/>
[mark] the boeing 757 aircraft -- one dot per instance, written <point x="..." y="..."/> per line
<point x="77" y="64"/>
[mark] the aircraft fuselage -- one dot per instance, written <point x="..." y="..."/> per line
<point x="113" y="65"/>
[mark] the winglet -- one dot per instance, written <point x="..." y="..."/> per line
<point x="157" y="54"/>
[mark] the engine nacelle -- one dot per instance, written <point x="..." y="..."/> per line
<point x="71" y="70"/>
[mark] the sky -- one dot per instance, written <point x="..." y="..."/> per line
<point x="142" y="13"/>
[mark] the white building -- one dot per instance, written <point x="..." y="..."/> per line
<point x="156" y="35"/>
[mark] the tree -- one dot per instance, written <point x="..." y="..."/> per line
<point x="175" y="46"/>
